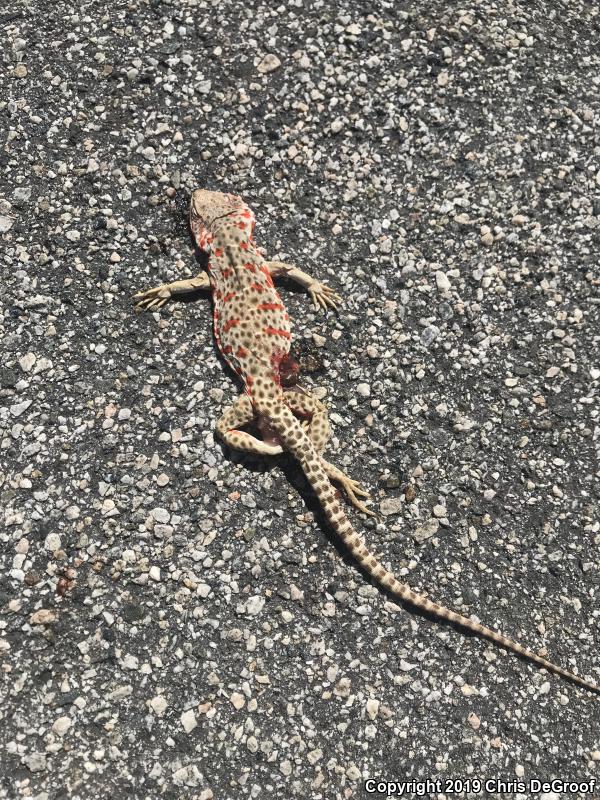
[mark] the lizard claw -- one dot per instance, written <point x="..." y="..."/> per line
<point x="323" y="296"/>
<point x="152" y="299"/>
<point x="352" y="489"/>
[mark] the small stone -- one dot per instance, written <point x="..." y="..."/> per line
<point x="43" y="616"/>
<point x="73" y="235"/>
<point x="372" y="708"/>
<point x="337" y="125"/>
<point x="161" y="515"/>
<point x="18" y="408"/>
<point x="20" y="71"/>
<point x="187" y="776"/>
<point x="426" y="531"/>
<point x="286" y="768"/>
<point x="439" y="511"/>
<point x="188" y="720"/>
<point x="474" y="721"/>
<point x="52" y="542"/>
<point x="149" y="153"/>
<point x="254" y="605"/>
<point x="429" y="335"/>
<point x="391" y="505"/>
<point x="6" y="224"/>
<point x="155" y="573"/>
<point x="519" y="219"/>
<point x="269" y="63"/>
<point x="442" y="282"/>
<point x="22" y="194"/>
<point x="519" y="770"/>
<point x="26" y="363"/>
<point x="363" y="389"/>
<point x="61" y="725"/>
<point x="158" y="704"/>
<point x="237" y="700"/>
<point x="130" y="661"/>
<point x="35" y="762"/>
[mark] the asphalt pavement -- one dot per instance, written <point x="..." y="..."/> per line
<point x="177" y="620"/>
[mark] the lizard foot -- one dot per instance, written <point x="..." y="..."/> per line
<point x="152" y="299"/>
<point x="350" y="487"/>
<point x="323" y="296"/>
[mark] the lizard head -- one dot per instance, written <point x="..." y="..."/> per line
<point x="207" y="208"/>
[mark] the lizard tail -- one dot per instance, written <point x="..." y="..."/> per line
<point x="302" y="448"/>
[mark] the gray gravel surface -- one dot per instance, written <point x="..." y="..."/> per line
<point x="177" y="620"/>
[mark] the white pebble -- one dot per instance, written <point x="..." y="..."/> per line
<point x="61" y="725"/>
<point x="52" y="542"/>
<point x="161" y="515"/>
<point x="269" y="63"/>
<point x="254" y="605"/>
<point x="442" y="282"/>
<point x="26" y="363"/>
<point x="188" y="720"/>
<point x="158" y="704"/>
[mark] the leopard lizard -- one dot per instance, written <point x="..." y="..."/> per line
<point x="253" y="332"/>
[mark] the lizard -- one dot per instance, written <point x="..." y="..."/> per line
<point x="252" y="330"/>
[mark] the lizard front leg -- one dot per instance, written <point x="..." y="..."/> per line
<point x="323" y="296"/>
<point x="153" y="299"/>
<point x="235" y="417"/>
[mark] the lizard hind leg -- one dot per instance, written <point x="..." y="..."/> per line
<point x="315" y="420"/>
<point x="313" y="415"/>
<point x="236" y="416"/>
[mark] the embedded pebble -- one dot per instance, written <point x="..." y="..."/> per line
<point x="442" y="281"/>
<point x="391" y="505"/>
<point x="61" y="725"/>
<point x="6" y="224"/>
<point x="254" y="605"/>
<point x="189" y="721"/>
<point x="237" y="700"/>
<point x="426" y="531"/>
<point x="269" y="63"/>
<point x="161" y="514"/>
